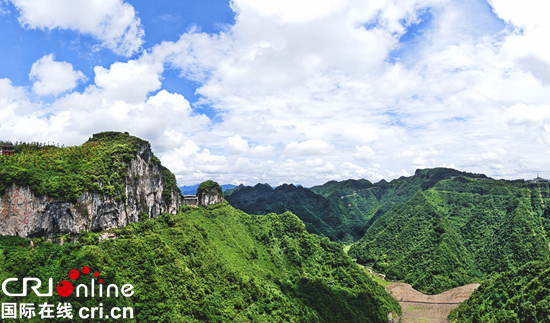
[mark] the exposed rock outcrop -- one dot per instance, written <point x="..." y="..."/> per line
<point x="210" y="198"/>
<point x="26" y="214"/>
<point x="209" y="193"/>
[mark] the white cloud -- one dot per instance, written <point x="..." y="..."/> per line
<point x="309" y="147"/>
<point x="538" y="67"/>
<point x="290" y="11"/>
<point x="130" y="81"/>
<point x="9" y="92"/>
<point x="314" y="162"/>
<point x="364" y="154"/>
<point x="303" y="97"/>
<point x="262" y="151"/>
<point x="113" y="22"/>
<point x="51" y="77"/>
<point x="521" y="111"/>
<point x="426" y="152"/>
<point x="236" y="145"/>
<point x="166" y="119"/>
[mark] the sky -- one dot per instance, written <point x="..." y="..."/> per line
<point x="286" y="91"/>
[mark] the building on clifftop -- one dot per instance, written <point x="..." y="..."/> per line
<point x="539" y="180"/>
<point x="7" y="148"/>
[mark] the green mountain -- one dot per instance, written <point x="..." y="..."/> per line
<point x="207" y="264"/>
<point x="320" y="215"/>
<point x="518" y="295"/>
<point x="109" y="181"/>
<point x="438" y="229"/>
<point x="342" y="210"/>
<point x="457" y="232"/>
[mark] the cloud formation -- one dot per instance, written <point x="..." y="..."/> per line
<point x="113" y="22"/>
<point x="51" y="77"/>
<point x="345" y="89"/>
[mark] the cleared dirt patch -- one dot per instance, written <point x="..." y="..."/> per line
<point x="419" y="307"/>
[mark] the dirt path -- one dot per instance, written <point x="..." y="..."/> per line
<point x="419" y="307"/>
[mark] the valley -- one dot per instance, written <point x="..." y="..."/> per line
<point x="351" y="251"/>
<point x="206" y="262"/>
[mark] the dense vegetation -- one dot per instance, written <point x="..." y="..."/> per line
<point x="320" y="215"/>
<point x="213" y="264"/>
<point x="436" y="230"/>
<point x="342" y="210"/>
<point x="99" y="165"/>
<point x="518" y="295"/>
<point x="458" y="232"/>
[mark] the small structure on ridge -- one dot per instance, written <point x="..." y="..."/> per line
<point x="539" y="180"/>
<point x="7" y="148"/>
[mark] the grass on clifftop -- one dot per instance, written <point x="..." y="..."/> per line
<point x="213" y="264"/>
<point x="98" y="165"/>
<point x="208" y="186"/>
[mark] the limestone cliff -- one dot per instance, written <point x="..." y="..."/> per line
<point x="209" y="192"/>
<point x="209" y="198"/>
<point x="27" y="214"/>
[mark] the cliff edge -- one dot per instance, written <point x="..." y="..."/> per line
<point x="209" y="192"/>
<point x="110" y="181"/>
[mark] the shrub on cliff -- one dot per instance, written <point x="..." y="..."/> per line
<point x="99" y="165"/>
<point x="209" y="186"/>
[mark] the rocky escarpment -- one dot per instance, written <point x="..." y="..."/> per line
<point x="209" y="192"/>
<point x="27" y="214"/>
<point x="210" y="198"/>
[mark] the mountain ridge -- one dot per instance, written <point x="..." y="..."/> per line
<point x="209" y="264"/>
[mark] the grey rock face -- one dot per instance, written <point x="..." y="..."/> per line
<point x="27" y="215"/>
<point x="210" y="197"/>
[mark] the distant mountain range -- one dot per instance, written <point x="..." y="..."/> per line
<point x="438" y="229"/>
<point x="192" y="189"/>
<point x="341" y="211"/>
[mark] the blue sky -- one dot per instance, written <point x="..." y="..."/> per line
<point x="162" y="21"/>
<point x="286" y="91"/>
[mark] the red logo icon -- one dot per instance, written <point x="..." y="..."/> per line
<point x="65" y="288"/>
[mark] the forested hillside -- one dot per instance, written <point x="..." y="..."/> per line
<point x="458" y="232"/>
<point x="320" y="215"/>
<point x="518" y="295"/>
<point x="436" y="230"/>
<point x="213" y="264"/>
<point x="342" y="210"/>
